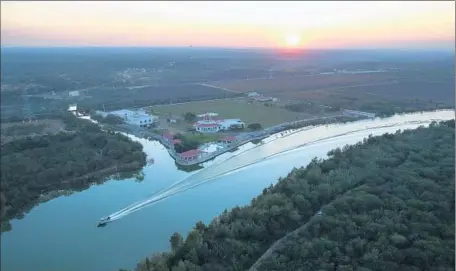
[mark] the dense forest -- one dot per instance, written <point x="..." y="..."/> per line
<point x="34" y="166"/>
<point x="386" y="203"/>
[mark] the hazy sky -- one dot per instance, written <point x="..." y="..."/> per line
<point x="241" y="24"/>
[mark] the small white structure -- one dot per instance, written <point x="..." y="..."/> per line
<point x="252" y="94"/>
<point x="72" y="108"/>
<point x="139" y="118"/>
<point x="228" y="124"/>
<point x="207" y="115"/>
<point x="261" y="98"/>
<point x="73" y="93"/>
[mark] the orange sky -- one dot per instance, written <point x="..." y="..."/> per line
<point x="241" y="24"/>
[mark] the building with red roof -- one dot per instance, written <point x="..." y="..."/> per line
<point x="190" y="155"/>
<point x="169" y="137"/>
<point x="167" y="134"/>
<point x="207" y="126"/>
<point x="177" y="141"/>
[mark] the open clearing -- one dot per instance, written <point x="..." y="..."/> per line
<point x="16" y="130"/>
<point x="304" y="83"/>
<point x="235" y="108"/>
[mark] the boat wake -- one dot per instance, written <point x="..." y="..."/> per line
<point x="242" y="160"/>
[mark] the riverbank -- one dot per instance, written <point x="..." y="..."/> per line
<point x="52" y="246"/>
<point x="245" y="137"/>
<point x="352" y="184"/>
<point x="42" y="165"/>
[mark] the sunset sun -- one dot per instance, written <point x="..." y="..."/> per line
<point x="292" y="40"/>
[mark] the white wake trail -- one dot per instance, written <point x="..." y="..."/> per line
<point x="192" y="180"/>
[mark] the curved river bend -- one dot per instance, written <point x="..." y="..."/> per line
<point x="61" y="234"/>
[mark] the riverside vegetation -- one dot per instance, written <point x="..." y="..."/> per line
<point x="386" y="203"/>
<point x="34" y="167"/>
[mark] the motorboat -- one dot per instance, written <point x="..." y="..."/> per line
<point x="104" y="221"/>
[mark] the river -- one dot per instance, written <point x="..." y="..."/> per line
<point x="61" y="234"/>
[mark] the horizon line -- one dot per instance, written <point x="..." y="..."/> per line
<point x="297" y="49"/>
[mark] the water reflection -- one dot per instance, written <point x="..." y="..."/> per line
<point x="284" y="142"/>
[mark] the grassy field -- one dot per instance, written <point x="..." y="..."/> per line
<point x="304" y="83"/>
<point x="234" y="108"/>
<point x="202" y="138"/>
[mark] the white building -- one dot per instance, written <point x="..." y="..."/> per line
<point x="228" y="124"/>
<point x="214" y="126"/>
<point x="261" y="98"/>
<point x="253" y="94"/>
<point x="72" y="108"/>
<point x="139" y="118"/>
<point x="207" y="127"/>
<point x="73" y="93"/>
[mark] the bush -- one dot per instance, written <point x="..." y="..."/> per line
<point x="254" y="126"/>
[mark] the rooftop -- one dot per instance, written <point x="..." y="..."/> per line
<point x="167" y="134"/>
<point x="202" y="124"/>
<point x="262" y="98"/>
<point x="72" y="108"/>
<point x="190" y="153"/>
<point x="177" y="141"/>
<point x="208" y="114"/>
<point x="231" y="121"/>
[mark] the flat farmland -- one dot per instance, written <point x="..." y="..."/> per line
<point x="305" y="82"/>
<point x="385" y="100"/>
<point x="442" y="92"/>
<point x="423" y="90"/>
<point x="138" y="97"/>
<point x="234" y="108"/>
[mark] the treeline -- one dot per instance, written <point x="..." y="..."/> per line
<point x="382" y="107"/>
<point x="386" y="108"/>
<point x="191" y="141"/>
<point x="34" y="166"/>
<point x="386" y="203"/>
<point x="310" y="107"/>
<point x="186" y="143"/>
